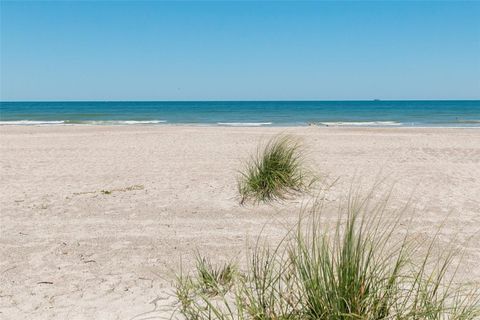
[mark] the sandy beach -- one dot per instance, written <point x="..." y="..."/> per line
<point x="96" y="220"/>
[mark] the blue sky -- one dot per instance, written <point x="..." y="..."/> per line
<point x="239" y="50"/>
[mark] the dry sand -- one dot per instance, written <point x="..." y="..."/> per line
<point x="70" y="251"/>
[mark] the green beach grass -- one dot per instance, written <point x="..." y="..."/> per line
<point x="363" y="265"/>
<point x="357" y="268"/>
<point x="276" y="172"/>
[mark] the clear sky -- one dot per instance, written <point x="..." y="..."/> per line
<point x="239" y="50"/>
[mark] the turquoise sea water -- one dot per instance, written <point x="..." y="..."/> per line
<point x="246" y="113"/>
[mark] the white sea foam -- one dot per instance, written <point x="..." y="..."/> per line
<point x="105" y="122"/>
<point x="113" y="122"/>
<point x="30" y="122"/>
<point x="361" y="123"/>
<point x="244" y="124"/>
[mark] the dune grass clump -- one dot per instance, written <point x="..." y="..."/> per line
<point x="214" y="280"/>
<point x="209" y="281"/>
<point x="275" y="173"/>
<point x="360" y="270"/>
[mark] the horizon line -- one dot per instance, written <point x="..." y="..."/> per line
<point x="229" y="100"/>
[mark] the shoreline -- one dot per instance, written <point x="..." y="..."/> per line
<point x="209" y="125"/>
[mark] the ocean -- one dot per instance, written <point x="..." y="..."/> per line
<point x="445" y="113"/>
